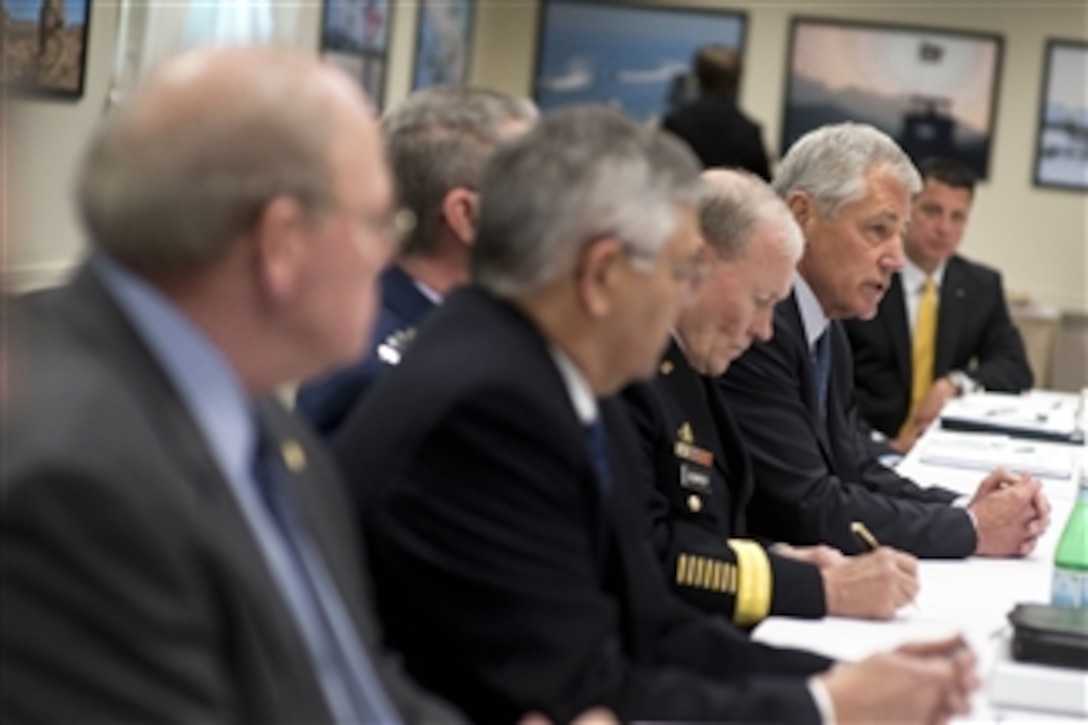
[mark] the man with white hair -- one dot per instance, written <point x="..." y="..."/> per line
<point x="694" y="459"/>
<point x="176" y="546"/>
<point x="849" y="187"/>
<point x="506" y="543"/>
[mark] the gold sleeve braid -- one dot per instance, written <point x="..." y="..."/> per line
<point x="755" y="585"/>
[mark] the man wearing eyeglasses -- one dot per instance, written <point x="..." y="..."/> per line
<point x="507" y="540"/>
<point x="176" y="546"/>
<point x="693" y="458"/>
<point x="439" y="140"/>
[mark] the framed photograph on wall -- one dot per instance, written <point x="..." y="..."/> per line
<point x="355" y="37"/>
<point x="45" y="46"/>
<point x="443" y="43"/>
<point x="634" y="57"/>
<point x="1061" y="149"/>
<point x="933" y="90"/>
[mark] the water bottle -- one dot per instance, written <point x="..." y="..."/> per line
<point x="1070" y="585"/>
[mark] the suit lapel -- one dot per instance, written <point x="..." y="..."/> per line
<point x="897" y="328"/>
<point x="226" y="528"/>
<point x="951" y="316"/>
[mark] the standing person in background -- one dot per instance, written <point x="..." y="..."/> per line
<point x="176" y="546"/>
<point x="849" y="187"/>
<point x="694" y="460"/>
<point x="715" y="128"/>
<point x="439" y="140"/>
<point x="943" y="328"/>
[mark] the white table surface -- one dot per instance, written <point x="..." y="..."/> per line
<point x="971" y="597"/>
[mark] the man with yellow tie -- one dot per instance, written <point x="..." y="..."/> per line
<point x="943" y="328"/>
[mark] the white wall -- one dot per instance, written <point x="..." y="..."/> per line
<point x="1038" y="237"/>
<point x="44" y="239"/>
<point x="47" y="137"/>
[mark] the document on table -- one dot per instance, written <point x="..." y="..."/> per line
<point x="984" y="452"/>
<point x="1036" y="414"/>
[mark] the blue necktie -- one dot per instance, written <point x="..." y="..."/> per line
<point x="598" y="454"/>
<point x="352" y="688"/>
<point x="821" y="367"/>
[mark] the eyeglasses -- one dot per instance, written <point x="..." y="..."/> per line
<point x="393" y="226"/>
<point x="687" y="273"/>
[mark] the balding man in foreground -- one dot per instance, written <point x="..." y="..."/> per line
<point x="695" y="461"/>
<point x="175" y="545"/>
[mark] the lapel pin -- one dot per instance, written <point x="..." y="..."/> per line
<point x="293" y="456"/>
<point x="666" y="367"/>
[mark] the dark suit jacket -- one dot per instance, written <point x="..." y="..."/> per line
<point x="325" y="402"/>
<point x="974" y="334"/>
<point x="815" y="476"/>
<point x="509" y="580"/>
<point x="133" y="589"/>
<point x="697" y="506"/>
<point x="720" y="134"/>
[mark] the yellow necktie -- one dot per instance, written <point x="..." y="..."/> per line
<point x="925" y="346"/>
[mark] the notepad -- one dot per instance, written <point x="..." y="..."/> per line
<point x="984" y="452"/>
<point x="1035" y="415"/>
<point x="1038" y="687"/>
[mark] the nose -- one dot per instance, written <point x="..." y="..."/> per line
<point x="893" y="259"/>
<point x="762" y="329"/>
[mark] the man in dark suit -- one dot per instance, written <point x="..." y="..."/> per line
<point x="175" y="545"/>
<point x="849" y="189"/>
<point x="943" y="328"/>
<point x="439" y="140"/>
<point x="713" y="126"/>
<point x="694" y="459"/>
<point x="507" y="544"/>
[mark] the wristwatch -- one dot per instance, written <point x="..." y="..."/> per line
<point x="964" y="383"/>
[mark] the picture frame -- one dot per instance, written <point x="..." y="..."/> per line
<point x="45" y="47"/>
<point x="443" y="43"/>
<point x="636" y="58"/>
<point x="1061" y="147"/>
<point x="355" y="37"/>
<point x="934" y="90"/>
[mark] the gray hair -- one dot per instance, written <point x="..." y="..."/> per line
<point x="440" y="139"/>
<point x="830" y="164"/>
<point x="584" y="172"/>
<point x="734" y="204"/>
<point x="166" y="187"/>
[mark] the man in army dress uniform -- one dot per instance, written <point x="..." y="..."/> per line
<point x="693" y="452"/>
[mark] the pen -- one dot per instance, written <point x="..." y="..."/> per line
<point x="866" y="537"/>
<point x="861" y="531"/>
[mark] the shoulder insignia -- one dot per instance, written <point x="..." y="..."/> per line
<point x="392" y="348"/>
<point x="684" y="434"/>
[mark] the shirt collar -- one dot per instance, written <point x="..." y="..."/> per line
<point x="913" y="277"/>
<point x="581" y="395"/>
<point x="428" y="292"/>
<point x="207" y="384"/>
<point x="812" y="314"/>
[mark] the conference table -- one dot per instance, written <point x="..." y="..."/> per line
<point x="972" y="597"/>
